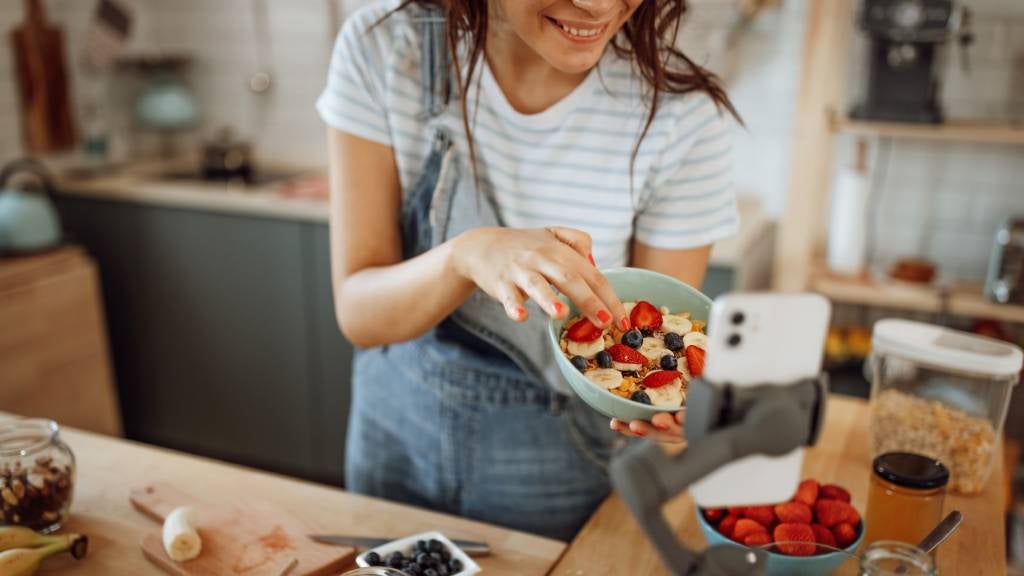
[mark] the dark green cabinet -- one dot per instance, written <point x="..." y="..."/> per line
<point x="223" y="333"/>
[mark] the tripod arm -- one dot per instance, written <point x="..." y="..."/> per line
<point x="723" y="424"/>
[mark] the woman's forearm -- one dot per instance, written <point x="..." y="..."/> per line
<point x="394" y="303"/>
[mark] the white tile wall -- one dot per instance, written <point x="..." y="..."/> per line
<point x="944" y="201"/>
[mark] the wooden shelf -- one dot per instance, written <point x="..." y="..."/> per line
<point x="951" y="131"/>
<point x="964" y="300"/>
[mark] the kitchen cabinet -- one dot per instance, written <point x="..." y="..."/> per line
<point x="222" y="331"/>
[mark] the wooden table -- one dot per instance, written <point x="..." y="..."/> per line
<point x="108" y="468"/>
<point x="611" y="543"/>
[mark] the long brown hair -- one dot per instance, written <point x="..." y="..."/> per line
<point x="648" y="38"/>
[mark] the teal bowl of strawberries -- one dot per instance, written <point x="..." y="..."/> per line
<point x="635" y="374"/>
<point x="815" y="534"/>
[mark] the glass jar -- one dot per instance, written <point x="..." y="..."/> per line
<point x="37" y="475"/>
<point x="942" y="394"/>
<point x="905" y="497"/>
<point x="889" y="558"/>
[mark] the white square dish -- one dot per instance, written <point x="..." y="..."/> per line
<point x="404" y="545"/>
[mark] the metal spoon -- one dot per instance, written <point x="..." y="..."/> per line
<point x="939" y="534"/>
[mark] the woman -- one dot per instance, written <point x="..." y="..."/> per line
<point x="484" y="157"/>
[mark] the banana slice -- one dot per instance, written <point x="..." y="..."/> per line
<point x="607" y="378"/>
<point x="670" y="395"/>
<point x="654" y="348"/>
<point x="676" y="324"/>
<point x="627" y="367"/>
<point x="698" y="339"/>
<point x="586" y="349"/>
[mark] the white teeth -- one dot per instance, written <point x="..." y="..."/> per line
<point x="582" y="33"/>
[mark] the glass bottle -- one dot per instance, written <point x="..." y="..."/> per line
<point x="892" y="558"/>
<point x="37" y="475"/>
<point x="905" y="497"/>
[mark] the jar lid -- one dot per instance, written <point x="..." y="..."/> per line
<point x="947" y="349"/>
<point x="911" y="470"/>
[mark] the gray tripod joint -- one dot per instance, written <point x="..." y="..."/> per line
<point x="724" y="423"/>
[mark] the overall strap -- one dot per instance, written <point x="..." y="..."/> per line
<point x="435" y="68"/>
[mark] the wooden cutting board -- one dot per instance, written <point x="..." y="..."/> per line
<point x="243" y="539"/>
<point x="43" y="84"/>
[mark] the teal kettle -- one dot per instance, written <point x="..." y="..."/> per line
<point x="28" y="218"/>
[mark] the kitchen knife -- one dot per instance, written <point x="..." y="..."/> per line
<point x="471" y="548"/>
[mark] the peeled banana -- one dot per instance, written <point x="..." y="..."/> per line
<point x="181" y="540"/>
<point x="25" y="561"/>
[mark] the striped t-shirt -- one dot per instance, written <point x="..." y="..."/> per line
<point x="566" y="166"/>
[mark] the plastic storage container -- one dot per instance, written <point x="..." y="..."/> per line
<point x="942" y="394"/>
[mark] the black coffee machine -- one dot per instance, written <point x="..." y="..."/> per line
<point x="906" y="38"/>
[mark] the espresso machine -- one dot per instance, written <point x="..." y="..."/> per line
<point x="907" y="37"/>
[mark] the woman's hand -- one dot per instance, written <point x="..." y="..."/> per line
<point x="664" y="427"/>
<point x="512" y="265"/>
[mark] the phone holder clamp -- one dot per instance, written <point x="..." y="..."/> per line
<point x="724" y="423"/>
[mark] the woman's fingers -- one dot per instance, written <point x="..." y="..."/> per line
<point x="664" y="427"/>
<point x="571" y="283"/>
<point x="511" y="299"/>
<point x="603" y="289"/>
<point x="537" y="287"/>
<point x="578" y="240"/>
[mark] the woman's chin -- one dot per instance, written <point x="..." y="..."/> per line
<point x="578" y="63"/>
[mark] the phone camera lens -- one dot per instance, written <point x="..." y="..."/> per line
<point x="734" y="340"/>
<point x="738" y="318"/>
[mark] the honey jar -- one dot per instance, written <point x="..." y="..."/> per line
<point x="905" y="497"/>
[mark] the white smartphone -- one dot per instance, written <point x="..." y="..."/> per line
<point x="756" y="339"/>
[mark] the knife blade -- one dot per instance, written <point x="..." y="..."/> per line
<point x="470" y="547"/>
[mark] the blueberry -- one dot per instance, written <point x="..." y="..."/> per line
<point x="668" y="362"/>
<point x="430" y="572"/>
<point x="633" y="338"/>
<point x="373" y="559"/>
<point x="455" y="565"/>
<point x="395" y="560"/>
<point x="413" y="570"/>
<point x="421" y="546"/>
<point x="579" y="362"/>
<point x="435" y="545"/>
<point x="445" y="556"/>
<point x="641" y="397"/>
<point x="435" y="558"/>
<point x="604" y="359"/>
<point x="442" y="570"/>
<point x="673" y="341"/>
<point x="423" y="558"/>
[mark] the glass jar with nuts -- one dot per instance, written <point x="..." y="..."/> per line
<point x="37" y="475"/>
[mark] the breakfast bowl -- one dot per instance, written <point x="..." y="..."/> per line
<point x="631" y="285"/>
<point x="823" y="561"/>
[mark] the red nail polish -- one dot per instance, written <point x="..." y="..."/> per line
<point x="604" y="316"/>
<point x="558" y="307"/>
<point x="520" y="312"/>
<point x="624" y="323"/>
<point x="591" y="258"/>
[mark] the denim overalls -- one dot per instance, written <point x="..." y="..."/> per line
<point x="471" y="418"/>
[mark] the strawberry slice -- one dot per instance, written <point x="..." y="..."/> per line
<point x="695" y="360"/>
<point x="583" y="331"/>
<point x="659" y="378"/>
<point x="645" y="316"/>
<point x="625" y="355"/>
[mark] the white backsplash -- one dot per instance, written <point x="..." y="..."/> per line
<point x="962" y="189"/>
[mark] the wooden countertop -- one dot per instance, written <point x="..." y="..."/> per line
<point x="611" y="543"/>
<point x="109" y="468"/>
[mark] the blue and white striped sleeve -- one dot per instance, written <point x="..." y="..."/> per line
<point x="691" y="201"/>
<point x="353" y="100"/>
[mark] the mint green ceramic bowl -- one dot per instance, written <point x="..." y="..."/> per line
<point x="631" y="284"/>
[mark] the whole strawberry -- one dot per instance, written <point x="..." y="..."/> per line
<point x="794" y="513"/>
<point x="833" y="492"/>
<point x="795" y="539"/>
<point x="823" y="535"/>
<point x="763" y="515"/>
<point x="807" y="493"/>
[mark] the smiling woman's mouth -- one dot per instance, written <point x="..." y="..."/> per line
<point x="579" y="31"/>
